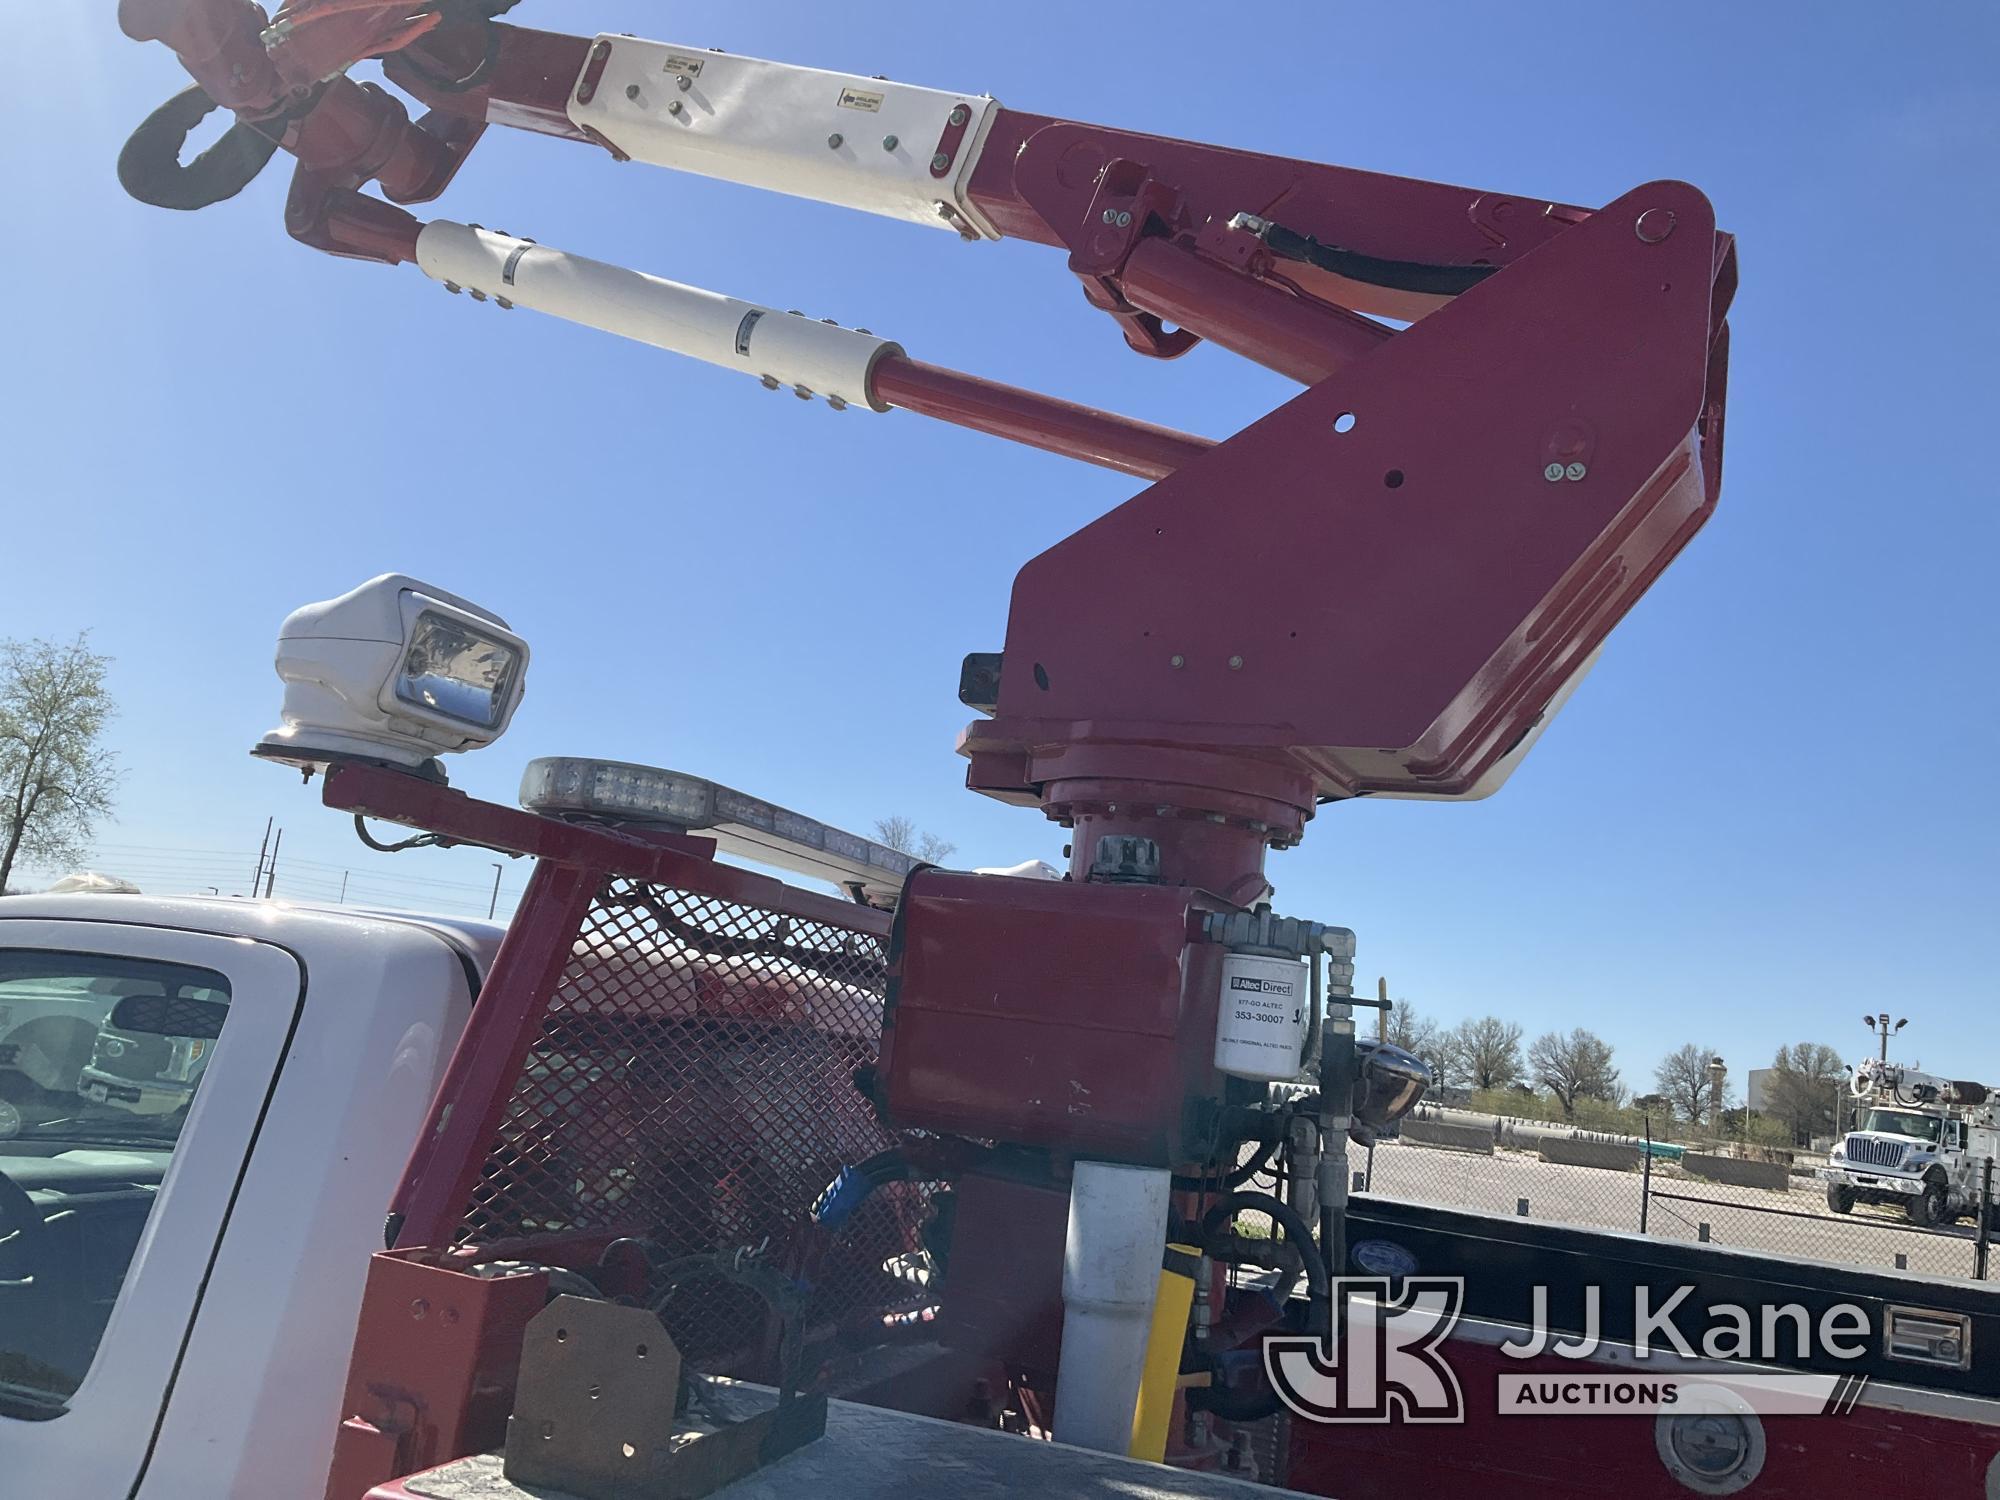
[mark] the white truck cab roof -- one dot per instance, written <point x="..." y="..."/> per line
<point x="255" y="917"/>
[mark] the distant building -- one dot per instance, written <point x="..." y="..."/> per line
<point x="1759" y="1090"/>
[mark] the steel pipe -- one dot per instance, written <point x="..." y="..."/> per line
<point x="1046" y="422"/>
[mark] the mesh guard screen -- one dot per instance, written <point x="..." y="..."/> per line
<point x="692" y="1086"/>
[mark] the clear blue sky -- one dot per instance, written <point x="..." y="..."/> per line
<point x="1770" y="808"/>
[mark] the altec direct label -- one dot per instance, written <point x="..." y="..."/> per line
<point x="1262" y="1026"/>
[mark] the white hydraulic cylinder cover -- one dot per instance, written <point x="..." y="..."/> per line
<point x="1260" y="1033"/>
<point x="864" y="143"/>
<point x="782" y="348"/>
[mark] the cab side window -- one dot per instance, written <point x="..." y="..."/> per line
<point x="100" y="1059"/>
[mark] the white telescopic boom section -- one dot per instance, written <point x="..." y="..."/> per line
<point x="865" y="143"/>
<point x="780" y="348"/>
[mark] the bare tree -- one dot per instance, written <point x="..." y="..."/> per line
<point x="1424" y="1038"/>
<point x="1573" y="1067"/>
<point x="901" y="834"/>
<point x="1404" y="1027"/>
<point x="1806" y="1084"/>
<point x="1683" y="1078"/>
<point x="56" y="778"/>
<point x="1486" y="1052"/>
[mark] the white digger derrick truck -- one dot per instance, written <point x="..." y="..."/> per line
<point x="1922" y="1142"/>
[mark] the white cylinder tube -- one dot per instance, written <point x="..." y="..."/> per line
<point x="1111" y="1274"/>
<point x="814" y="358"/>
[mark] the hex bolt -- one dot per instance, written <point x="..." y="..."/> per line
<point x="838" y="403"/>
<point x="769" y="382"/>
<point x="1553" y="473"/>
<point x="683" y="83"/>
<point x="890" y="143"/>
<point x="503" y="304"/>
<point x="1235" y="663"/>
<point x="477" y="295"/>
<point x="940" y="162"/>
<point x="674" y="106"/>
<point x="804" y="393"/>
<point x="1177" y="660"/>
<point x="833" y="142"/>
<point x="453" y="287"/>
<point x="1575" y="471"/>
<point x="959" y="115"/>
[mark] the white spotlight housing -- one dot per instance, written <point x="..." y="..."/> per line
<point x="394" y="671"/>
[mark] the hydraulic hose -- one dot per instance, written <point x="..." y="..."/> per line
<point x="1229" y="1402"/>
<point x="1234" y="1178"/>
<point x="1235" y="1403"/>
<point x="1398" y="275"/>
<point x="1285" y="1217"/>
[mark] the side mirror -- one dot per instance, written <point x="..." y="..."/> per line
<point x="161" y="1015"/>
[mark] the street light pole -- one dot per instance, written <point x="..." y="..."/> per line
<point x="1881" y="1027"/>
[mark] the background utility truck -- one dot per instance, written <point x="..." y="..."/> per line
<point x="1924" y="1142"/>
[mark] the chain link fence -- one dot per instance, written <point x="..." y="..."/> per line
<point x="1765" y="1201"/>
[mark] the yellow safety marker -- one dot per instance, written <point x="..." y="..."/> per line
<point x="1161" y="1378"/>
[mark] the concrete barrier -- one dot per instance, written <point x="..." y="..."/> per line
<point x="1443" y="1133"/>
<point x="1608" y="1155"/>
<point x="1737" y="1172"/>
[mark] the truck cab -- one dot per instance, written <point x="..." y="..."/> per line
<point x="1930" y="1160"/>
<point x="181" y="1264"/>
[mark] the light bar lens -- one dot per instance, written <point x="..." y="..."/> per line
<point x="562" y="786"/>
<point x="614" y="790"/>
<point x="457" y="671"/>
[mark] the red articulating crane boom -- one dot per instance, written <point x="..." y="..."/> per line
<point x="1385" y="586"/>
<point x="1512" y="421"/>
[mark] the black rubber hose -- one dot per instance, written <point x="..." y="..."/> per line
<point x="1288" y="1219"/>
<point x="1398" y="275"/>
<point x="1234" y="1178"/>
<point x="1261" y="1401"/>
<point x="1233" y="1404"/>
<point x="150" y="168"/>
